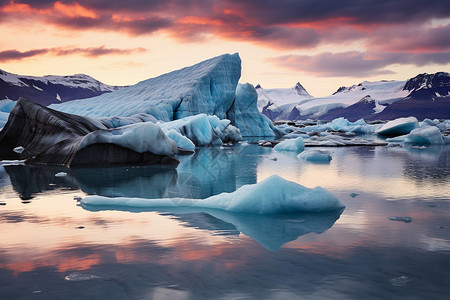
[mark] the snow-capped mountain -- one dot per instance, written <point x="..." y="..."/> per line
<point x="51" y="89"/>
<point x="424" y="96"/>
<point x="277" y="97"/>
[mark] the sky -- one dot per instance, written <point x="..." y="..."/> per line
<point x="323" y="44"/>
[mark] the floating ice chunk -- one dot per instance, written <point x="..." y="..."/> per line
<point x="19" y="149"/>
<point x="80" y="277"/>
<point x="270" y="196"/>
<point x="180" y="140"/>
<point x="401" y="219"/>
<point x="426" y="135"/>
<point x="354" y="195"/>
<point x="61" y="174"/>
<point x="140" y="137"/>
<point x="296" y="145"/>
<point x="315" y="155"/>
<point x="398" y="126"/>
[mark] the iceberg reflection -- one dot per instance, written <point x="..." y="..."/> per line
<point x="270" y="231"/>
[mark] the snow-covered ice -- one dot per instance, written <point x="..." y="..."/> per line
<point x="61" y="174"/>
<point x="315" y="155"/>
<point x="296" y="145"/>
<point x="270" y="196"/>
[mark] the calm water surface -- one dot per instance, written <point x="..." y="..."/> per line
<point x="53" y="248"/>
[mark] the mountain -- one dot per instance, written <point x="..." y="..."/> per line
<point x="424" y="96"/>
<point x="277" y="97"/>
<point x="51" y="89"/>
<point x="429" y="97"/>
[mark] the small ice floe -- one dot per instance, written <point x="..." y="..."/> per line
<point x="19" y="149"/>
<point x="80" y="277"/>
<point x="315" y="155"/>
<point x="353" y="195"/>
<point x="296" y="145"/>
<point x="61" y="174"/>
<point x="400" y="281"/>
<point x="77" y="198"/>
<point x="79" y="227"/>
<point x="402" y="219"/>
<point x="2" y="203"/>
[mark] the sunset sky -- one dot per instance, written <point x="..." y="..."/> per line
<point x="323" y="44"/>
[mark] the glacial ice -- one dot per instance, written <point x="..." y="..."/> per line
<point x="271" y="196"/>
<point x="140" y="137"/>
<point x="207" y="87"/>
<point x="426" y="135"/>
<point x="53" y="137"/>
<point x="204" y="130"/>
<point x="180" y="140"/>
<point x="398" y="126"/>
<point x="315" y="155"/>
<point x="210" y="87"/>
<point x="246" y="116"/>
<point x="296" y="145"/>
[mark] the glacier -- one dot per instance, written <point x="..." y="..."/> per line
<point x="273" y="195"/>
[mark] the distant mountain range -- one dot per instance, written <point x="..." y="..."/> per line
<point x="51" y="89"/>
<point x="424" y="96"/>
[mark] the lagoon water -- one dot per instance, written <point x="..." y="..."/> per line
<point x="392" y="241"/>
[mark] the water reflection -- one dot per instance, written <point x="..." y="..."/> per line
<point x="210" y="171"/>
<point x="270" y="231"/>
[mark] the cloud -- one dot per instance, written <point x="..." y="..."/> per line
<point x="355" y="63"/>
<point x="10" y="55"/>
<point x="389" y="26"/>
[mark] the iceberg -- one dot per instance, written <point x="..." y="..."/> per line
<point x="273" y="195"/>
<point x="315" y="155"/>
<point x="207" y="87"/>
<point x="52" y="137"/>
<point x="398" y="126"/>
<point x="296" y="145"/>
<point x="245" y="115"/>
<point x="426" y="135"/>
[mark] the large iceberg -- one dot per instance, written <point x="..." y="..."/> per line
<point x="271" y="196"/>
<point x="43" y="135"/>
<point x="207" y="87"/>
<point x="210" y="87"/>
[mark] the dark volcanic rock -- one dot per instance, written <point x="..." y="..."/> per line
<point x="52" y="137"/>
